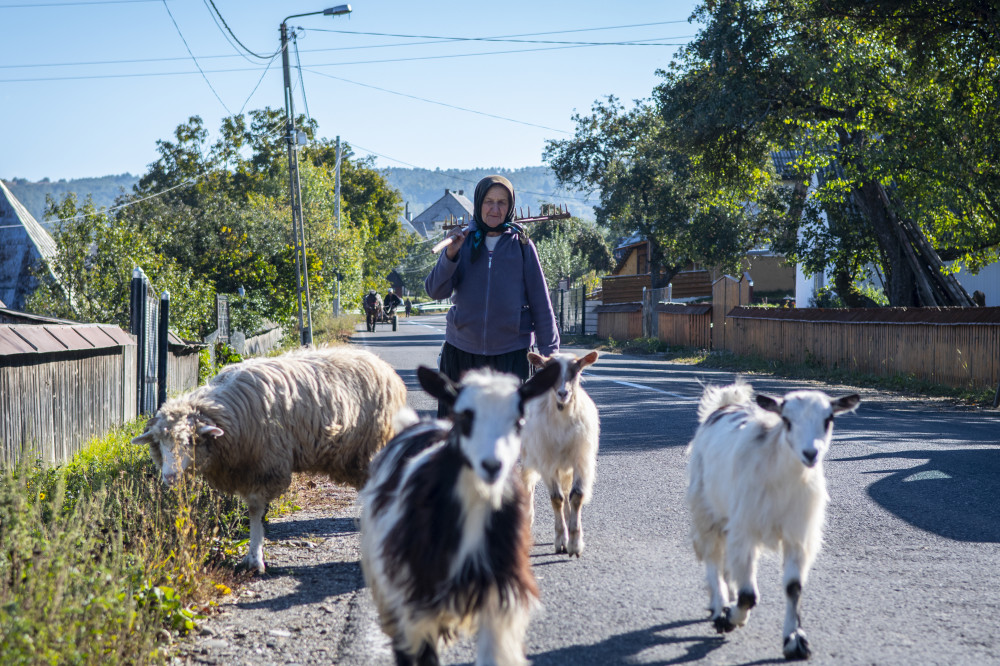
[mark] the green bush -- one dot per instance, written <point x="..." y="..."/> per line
<point x="98" y="558"/>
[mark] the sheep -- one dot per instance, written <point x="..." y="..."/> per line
<point x="323" y="410"/>
<point x="445" y="542"/>
<point x="559" y="445"/>
<point x="755" y="480"/>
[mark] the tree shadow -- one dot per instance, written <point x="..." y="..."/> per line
<point x="950" y="493"/>
<point x="311" y="527"/>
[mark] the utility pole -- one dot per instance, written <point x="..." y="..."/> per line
<point x="336" y="197"/>
<point x="295" y="195"/>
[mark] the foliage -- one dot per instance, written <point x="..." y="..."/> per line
<point x="648" y="185"/>
<point x="92" y="269"/>
<point x="897" y="134"/>
<point x="212" y="218"/>
<point x="103" y="190"/>
<point x="99" y="557"/>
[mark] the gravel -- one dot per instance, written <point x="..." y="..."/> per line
<point x="297" y="612"/>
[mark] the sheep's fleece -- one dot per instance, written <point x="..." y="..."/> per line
<point x="325" y="410"/>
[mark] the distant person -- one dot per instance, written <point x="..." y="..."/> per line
<point x="408" y="306"/>
<point x="500" y="299"/>
<point x="391" y="301"/>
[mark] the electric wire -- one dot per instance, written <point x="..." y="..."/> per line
<point x="230" y="31"/>
<point x="430" y="101"/>
<point x="196" y="64"/>
<point x="302" y="81"/>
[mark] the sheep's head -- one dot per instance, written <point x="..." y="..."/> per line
<point x="172" y="436"/>
<point x="487" y="409"/>
<point x="807" y="419"/>
<point x="570" y="367"/>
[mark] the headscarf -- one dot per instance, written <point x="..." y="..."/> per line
<point x="481" y="228"/>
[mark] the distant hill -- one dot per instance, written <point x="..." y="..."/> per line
<point x="418" y="187"/>
<point x="103" y="189"/>
<point x="532" y="186"/>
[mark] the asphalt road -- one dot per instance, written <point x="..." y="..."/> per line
<point x="908" y="573"/>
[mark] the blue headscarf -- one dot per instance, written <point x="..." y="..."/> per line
<point x="480" y="228"/>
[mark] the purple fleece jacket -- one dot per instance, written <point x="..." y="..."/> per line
<point x="498" y="301"/>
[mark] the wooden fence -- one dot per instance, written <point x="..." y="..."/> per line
<point x="60" y="385"/>
<point x="624" y="288"/>
<point x="685" y="325"/>
<point x="621" y="321"/>
<point x="728" y="292"/>
<point x="951" y="346"/>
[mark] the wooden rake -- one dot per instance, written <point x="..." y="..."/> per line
<point x="562" y="213"/>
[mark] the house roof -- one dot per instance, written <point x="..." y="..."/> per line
<point x="23" y="242"/>
<point x="452" y="206"/>
<point x="783" y="161"/>
<point x="44" y="339"/>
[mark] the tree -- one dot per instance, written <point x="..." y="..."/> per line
<point x="882" y="130"/>
<point x="648" y="185"/>
<point x="95" y="256"/>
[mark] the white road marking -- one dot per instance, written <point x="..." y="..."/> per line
<point x="639" y="386"/>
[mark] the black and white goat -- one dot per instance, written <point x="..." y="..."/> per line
<point x="559" y="445"/>
<point x="755" y="480"/>
<point x="445" y="540"/>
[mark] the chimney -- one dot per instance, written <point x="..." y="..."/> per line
<point x="447" y="191"/>
<point x="461" y="191"/>
<point x="408" y="214"/>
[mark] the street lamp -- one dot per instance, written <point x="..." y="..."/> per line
<point x="295" y="139"/>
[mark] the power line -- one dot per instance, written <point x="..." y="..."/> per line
<point x="230" y="31"/>
<point x="203" y="75"/>
<point x="641" y="42"/>
<point x="445" y="104"/>
<point x="33" y="5"/>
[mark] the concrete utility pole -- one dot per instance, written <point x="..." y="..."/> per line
<point x="296" y="138"/>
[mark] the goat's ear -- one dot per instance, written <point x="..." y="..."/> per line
<point x="589" y="359"/>
<point x="541" y="382"/>
<point x="438" y="385"/>
<point x="536" y="360"/>
<point x="846" y="404"/>
<point x="768" y="404"/>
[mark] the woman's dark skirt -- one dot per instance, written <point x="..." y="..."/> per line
<point x="455" y="362"/>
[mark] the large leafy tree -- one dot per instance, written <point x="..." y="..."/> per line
<point x="883" y="127"/>
<point x="95" y="256"/>
<point x="648" y="184"/>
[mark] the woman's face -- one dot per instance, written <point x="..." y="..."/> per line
<point x="495" y="206"/>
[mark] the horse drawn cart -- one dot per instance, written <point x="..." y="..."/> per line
<point x="376" y="314"/>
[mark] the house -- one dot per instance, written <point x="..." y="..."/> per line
<point x="452" y="208"/>
<point x="24" y="245"/>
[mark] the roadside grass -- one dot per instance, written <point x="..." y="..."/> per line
<point x="722" y="360"/>
<point x="101" y="564"/>
<point x="333" y="330"/>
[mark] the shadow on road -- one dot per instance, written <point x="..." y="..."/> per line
<point x="949" y="493"/>
<point x="312" y="527"/>
<point x="624" y="648"/>
<point x="313" y="583"/>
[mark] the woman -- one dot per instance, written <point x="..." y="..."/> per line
<point x="500" y="300"/>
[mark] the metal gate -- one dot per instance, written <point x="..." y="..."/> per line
<point x="570" y="307"/>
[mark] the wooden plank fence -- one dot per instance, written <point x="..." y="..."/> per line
<point x="685" y="325"/>
<point x="621" y="321"/>
<point x="728" y="292"/>
<point x="951" y="346"/>
<point x="60" y="385"/>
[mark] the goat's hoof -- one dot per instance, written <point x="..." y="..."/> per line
<point x="560" y="543"/>
<point x="796" y="646"/>
<point x="247" y="564"/>
<point x="574" y="549"/>
<point x="722" y="623"/>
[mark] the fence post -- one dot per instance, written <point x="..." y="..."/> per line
<point x="583" y="310"/>
<point x="161" y="360"/>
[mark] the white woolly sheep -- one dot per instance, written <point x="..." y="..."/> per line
<point x="559" y="445"/>
<point x="756" y="481"/>
<point x="445" y="542"/>
<point x="325" y="410"/>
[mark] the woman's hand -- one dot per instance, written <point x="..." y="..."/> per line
<point x="457" y="236"/>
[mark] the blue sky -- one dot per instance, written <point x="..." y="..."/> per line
<point x="87" y="87"/>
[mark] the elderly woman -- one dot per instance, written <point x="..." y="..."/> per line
<point x="501" y="302"/>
